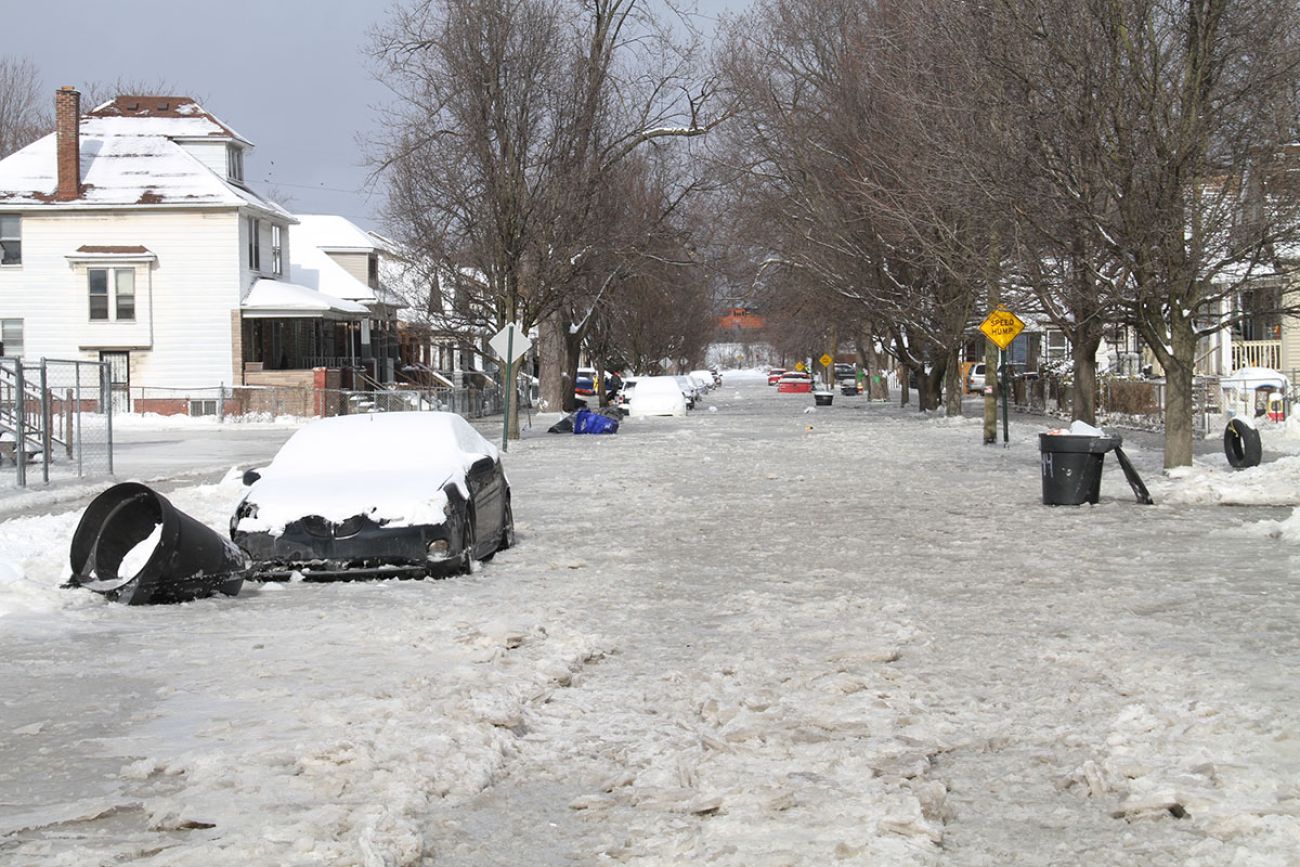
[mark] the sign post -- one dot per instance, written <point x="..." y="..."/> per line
<point x="510" y="344"/>
<point x="1001" y="327"/>
<point x="827" y="361"/>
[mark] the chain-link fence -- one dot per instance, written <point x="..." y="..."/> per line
<point x="257" y="403"/>
<point x="56" y="421"/>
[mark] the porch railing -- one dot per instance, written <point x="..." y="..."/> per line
<point x="1256" y="353"/>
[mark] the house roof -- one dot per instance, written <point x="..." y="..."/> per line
<point x="310" y="265"/>
<point x="280" y="298"/>
<point x="127" y="162"/>
<point x="335" y="234"/>
<point x="172" y="116"/>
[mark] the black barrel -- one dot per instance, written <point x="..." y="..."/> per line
<point x="823" y="398"/>
<point x="1072" y="465"/>
<point x="190" y="560"/>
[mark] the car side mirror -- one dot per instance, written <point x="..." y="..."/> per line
<point x="251" y="476"/>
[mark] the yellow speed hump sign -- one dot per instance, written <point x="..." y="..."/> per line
<point x="826" y="360"/>
<point x="1002" y="326"/>
<point x="799" y="367"/>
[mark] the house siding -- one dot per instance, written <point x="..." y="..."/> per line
<point x="211" y="153"/>
<point x="356" y="264"/>
<point x="181" y="336"/>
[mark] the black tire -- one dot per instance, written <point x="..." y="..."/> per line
<point x="507" y="526"/>
<point x="1241" y="444"/>
<point x="468" y="541"/>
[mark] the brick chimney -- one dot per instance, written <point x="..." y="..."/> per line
<point x="67" y="130"/>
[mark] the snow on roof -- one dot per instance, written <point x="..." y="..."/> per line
<point x="334" y="233"/>
<point x="282" y="298"/>
<point x="171" y="116"/>
<point x="1254" y="377"/>
<point x="127" y="161"/>
<point x="311" y="266"/>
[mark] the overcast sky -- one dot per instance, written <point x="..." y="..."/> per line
<point x="289" y="75"/>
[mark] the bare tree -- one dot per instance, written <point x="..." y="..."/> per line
<point x="1180" y="110"/>
<point x="512" y="115"/>
<point x="24" y="112"/>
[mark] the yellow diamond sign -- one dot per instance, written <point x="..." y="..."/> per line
<point x="826" y="360"/>
<point x="1002" y="327"/>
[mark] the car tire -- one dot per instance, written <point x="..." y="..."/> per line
<point x="1241" y="444"/>
<point x="507" y="526"/>
<point x="468" y="541"/>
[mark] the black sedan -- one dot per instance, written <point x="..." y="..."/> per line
<point x="373" y="496"/>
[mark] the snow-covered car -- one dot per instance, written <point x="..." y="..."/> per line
<point x="624" y="395"/>
<point x="704" y="378"/>
<point x="690" y="389"/>
<point x="774" y="375"/>
<point x="402" y="494"/>
<point x="657" y="395"/>
<point x="794" y="382"/>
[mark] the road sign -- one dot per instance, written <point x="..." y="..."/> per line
<point x="1002" y="326"/>
<point x="799" y="366"/>
<point x="826" y="360"/>
<point x="510" y="343"/>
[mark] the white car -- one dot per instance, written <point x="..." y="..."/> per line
<point x="690" y="389"/>
<point x="656" y="395"/>
<point x="704" y="378"/>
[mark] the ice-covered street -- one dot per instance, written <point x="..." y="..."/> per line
<point x="753" y="636"/>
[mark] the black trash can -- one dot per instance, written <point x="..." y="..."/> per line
<point x="190" y="560"/>
<point x="1072" y="465"/>
<point x="823" y="398"/>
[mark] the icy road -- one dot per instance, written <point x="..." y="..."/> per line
<point x="753" y="636"/>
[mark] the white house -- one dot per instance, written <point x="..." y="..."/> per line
<point x="333" y="255"/>
<point x="129" y="235"/>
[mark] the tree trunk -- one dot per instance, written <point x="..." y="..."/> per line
<point x="1178" y="393"/>
<point x="1083" y="395"/>
<point x="903" y="378"/>
<point x="552" y="357"/>
<point x="952" y="404"/>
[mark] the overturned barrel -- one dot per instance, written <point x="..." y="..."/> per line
<point x="135" y="547"/>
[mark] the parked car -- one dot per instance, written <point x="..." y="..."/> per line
<point x="975" y="379"/>
<point x="794" y="382"/>
<point x="843" y="370"/>
<point x="585" y="384"/>
<point x="402" y="494"/>
<point x="624" y="395"/>
<point x="657" y="395"/>
<point x="704" y="378"/>
<point x="774" y="375"/>
<point x="690" y="389"/>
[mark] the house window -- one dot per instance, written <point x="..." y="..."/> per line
<point x="374" y="271"/>
<point x="254" y="244"/>
<point x="11" y="239"/>
<point x="122" y="281"/>
<point x="125" y="294"/>
<point x="235" y="163"/>
<point x="1058" y="346"/>
<point x="277" y="262"/>
<point x="11" y="337"/>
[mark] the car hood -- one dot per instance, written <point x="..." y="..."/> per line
<point x="404" y="499"/>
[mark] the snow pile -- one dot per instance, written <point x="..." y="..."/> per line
<point x="1276" y="483"/>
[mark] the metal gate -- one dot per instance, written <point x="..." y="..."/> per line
<point x="119" y="378"/>
<point x="56" y="420"/>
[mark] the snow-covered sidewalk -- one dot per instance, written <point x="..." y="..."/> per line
<point x="751" y="636"/>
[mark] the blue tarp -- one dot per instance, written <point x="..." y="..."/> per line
<point x="588" y="422"/>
